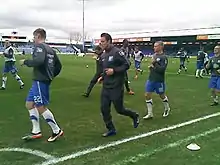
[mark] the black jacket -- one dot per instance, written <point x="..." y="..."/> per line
<point x="114" y="58"/>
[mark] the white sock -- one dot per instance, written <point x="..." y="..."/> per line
<point x="48" y="116"/>
<point x="201" y="72"/>
<point x="197" y="73"/>
<point x="215" y="99"/>
<point x="34" y="116"/>
<point x="149" y="104"/>
<point x="165" y="103"/>
<point x="4" y="80"/>
<point x="17" y="77"/>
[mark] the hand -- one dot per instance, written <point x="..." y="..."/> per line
<point x="100" y="80"/>
<point x="151" y="66"/>
<point x="22" y="62"/>
<point x="109" y="71"/>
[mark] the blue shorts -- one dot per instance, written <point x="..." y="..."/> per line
<point x="10" y="67"/>
<point x="137" y="64"/>
<point x="200" y="65"/>
<point x="158" y="87"/>
<point x="39" y="94"/>
<point x="214" y="82"/>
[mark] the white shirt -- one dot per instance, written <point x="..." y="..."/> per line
<point x="6" y="51"/>
<point x="138" y="56"/>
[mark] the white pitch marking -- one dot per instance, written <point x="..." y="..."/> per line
<point x="138" y="157"/>
<point x="29" y="151"/>
<point x="118" y="142"/>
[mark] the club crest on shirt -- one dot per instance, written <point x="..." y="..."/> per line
<point x="110" y="58"/>
<point x="39" y="50"/>
<point x="121" y="53"/>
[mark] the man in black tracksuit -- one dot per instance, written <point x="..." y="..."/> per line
<point x="115" y="65"/>
<point x="98" y="51"/>
<point x="125" y="49"/>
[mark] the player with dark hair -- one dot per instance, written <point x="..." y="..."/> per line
<point x="46" y="66"/>
<point x="115" y="65"/>
<point x="98" y="52"/>
<point x="201" y="60"/>
<point x="183" y="56"/>
<point x="125" y="49"/>
<point x="138" y="57"/>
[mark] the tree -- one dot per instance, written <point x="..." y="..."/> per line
<point x="78" y="36"/>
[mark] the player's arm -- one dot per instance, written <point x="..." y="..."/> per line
<point x="9" y="54"/>
<point x="206" y="57"/>
<point x="142" y="56"/>
<point x="39" y="55"/>
<point x="100" y="71"/>
<point x="209" y="64"/>
<point x="120" y="57"/>
<point x="160" y="68"/>
<point x="57" y="65"/>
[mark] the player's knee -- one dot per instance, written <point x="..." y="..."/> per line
<point x="13" y="74"/>
<point x="29" y="105"/>
<point x="162" y="96"/>
<point x="148" y="95"/>
<point x="41" y="109"/>
<point x="120" y="109"/>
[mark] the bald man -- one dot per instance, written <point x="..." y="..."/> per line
<point x="156" y="80"/>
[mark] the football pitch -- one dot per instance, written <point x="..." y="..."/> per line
<point x="159" y="141"/>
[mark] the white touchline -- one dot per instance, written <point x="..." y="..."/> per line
<point x="118" y="142"/>
<point x="138" y="157"/>
<point x="29" y="151"/>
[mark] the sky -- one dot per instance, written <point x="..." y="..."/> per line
<point x="61" y="18"/>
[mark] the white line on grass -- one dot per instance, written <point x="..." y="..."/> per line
<point x="118" y="142"/>
<point x="138" y="157"/>
<point x="29" y="151"/>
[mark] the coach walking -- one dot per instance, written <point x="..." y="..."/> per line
<point x="114" y="66"/>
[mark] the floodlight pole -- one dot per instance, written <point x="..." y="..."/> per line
<point x="83" y="34"/>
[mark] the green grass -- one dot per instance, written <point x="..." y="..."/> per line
<point x="80" y="118"/>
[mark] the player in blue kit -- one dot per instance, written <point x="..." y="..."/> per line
<point x="183" y="56"/>
<point x="156" y="80"/>
<point x="214" y="66"/>
<point x="46" y="66"/>
<point x="10" y="66"/>
<point x="200" y="63"/>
